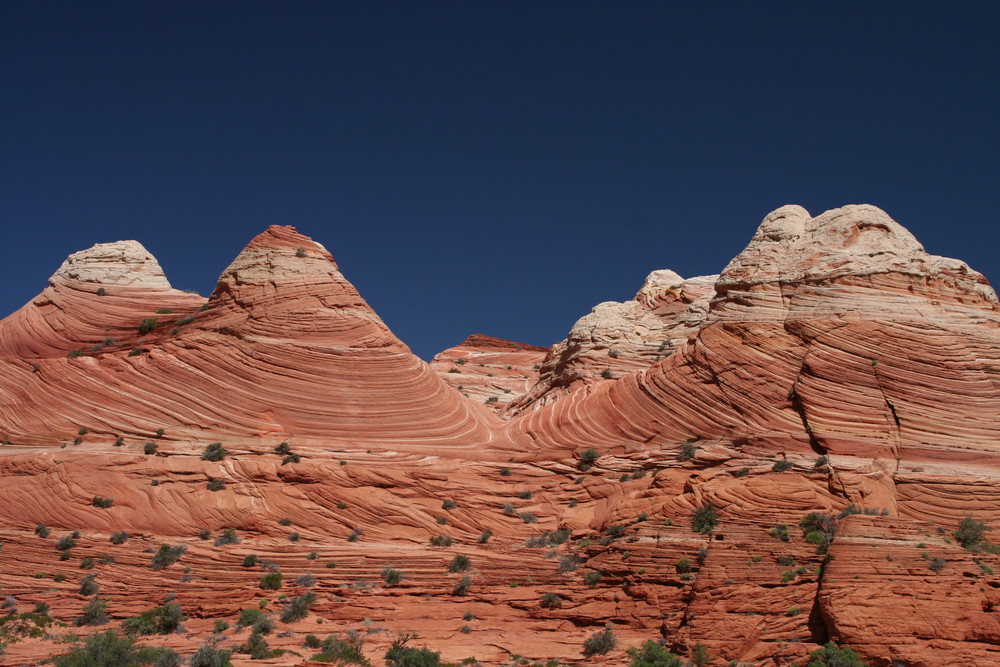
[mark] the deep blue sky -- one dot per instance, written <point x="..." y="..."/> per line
<point x="493" y="167"/>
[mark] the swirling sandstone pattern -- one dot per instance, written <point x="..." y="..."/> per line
<point x="832" y="346"/>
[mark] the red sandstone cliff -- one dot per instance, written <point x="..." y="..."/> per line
<point x="832" y="346"/>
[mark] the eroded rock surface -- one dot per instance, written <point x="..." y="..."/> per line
<point x="833" y="396"/>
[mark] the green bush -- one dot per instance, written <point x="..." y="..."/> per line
<point x="462" y="587"/>
<point x="970" y="533"/>
<point x="214" y="452"/>
<point x="781" y="465"/>
<point x="272" y="581"/>
<point x="159" y="621"/>
<point x="339" y="651"/>
<point x="601" y="642"/>
<point x="249" y="617"/>
<point x="42" y="530"/>
<point x="391" y="577"/>
<point x="399" y="655"/>
<point x="297" y="608"/>
<point x="107" y="649"/>
<point x="550" y="601"/>
<point x="652" y="654"/>
<point x="833" y="656"/>
<point x="683" y="565"/>
<point x="216" y="484"/>
<point x="119" y="537"/>
<point x="459" y="563"/>
<point x="227" y="537"/>
<point x="167" y="555"/>
<point x="587" y="459"/>
<point x="147" y="325"/>
<point x="448" y="505"/>
<point x="441" y="541"/>
<point x="208" y="655"/>
<point x="95" y="612"/>
<point x="705" y="518"/>
<point x="249" y="560"/>
<point x="105" y="503"/>
<point x="780" y="531"/>
<point x="87" y="585"/>
<point x="687" y="451"/>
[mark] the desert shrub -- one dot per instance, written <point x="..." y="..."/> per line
<point x="339" y="651"/>
<point x="704" y="518"/>
<point x="505" y="472"/>
<point x="282" y="449"/>
<point x="138" y="351"/>
<point x="569" y="563"/>
<point x="227" y="537"/>
<point x="87" y="585"/>
<point x="307" y="580"/>
<point x="528" y="517"/>
<point x="249" y="560"/>
<point x="42" y="530"/>
<point x="159" y="621"/>
<point x="587" y="459"/>
<point x="354" y="536"/>
<point x="781" y="465"/>
<point x="293" y="537"/>
<point x="119" y="537"/>
<point x="786" y="561"/>
<point x="219" y="626"/>
<point x="592" y="578"/>
<point x="167" y="555"/>
<point x="600" y="642"/>
<point x="291" y="458"/>
<point x="683" y="565"/>
<point x="272" y="581"/>
<point x="687" y="451"/>
<point x="147" y="324"/>
<point x="484" y="536"/>
<point x="297" y="608"/>
<point x="652" y="654"/>
<point x="399" y="655"/>
<point x="208" y="655"/>
<point x="550" y="601"/>
<point x="391" y="577"/>
<point x="607" y="374"/>
<point x="249" y="617"/>
<point x="821" y="462"/>
<point x="216" y="484"/>
<point x="73" y="354"/>
<point x="204" y="534"/>
<point x="459" y="563"/>
<point x="448" y="505"/>
<point x="508" y="508"/>
<point x="970" y="533"/>
<point x="341" y="505"/>
<point x="107" y="649"/>
<point x="524" y="495"/>
<point x="462" y="587"/>
<point x="257" y="648"/>
<point x="936" y="564"/>
<point x="849" y="510"/>
<point x="615" y="531"/>
<point x="214" y="452"/>
<point x="441" y="520"/>
<point x="780" y="531"/>
<point x="95" y="612"/>
<point x="787" y="576"/>
<point x="833" y="656"/>
<point x="441" y="541"/>
<point x="65" y="542"/>
<point x="87" y="563"/>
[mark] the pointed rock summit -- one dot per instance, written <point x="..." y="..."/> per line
<point x="122" y="263"/>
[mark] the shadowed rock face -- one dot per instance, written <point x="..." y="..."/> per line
<point x="833" y="345"/>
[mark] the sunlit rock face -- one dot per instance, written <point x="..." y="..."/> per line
<point x="833" y="367"/>
<point x="490" y="370"/>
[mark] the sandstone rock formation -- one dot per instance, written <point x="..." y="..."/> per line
<point x="616" y="338"/>
<point x="832" y="398"/>
<point x="284" y="348"/>
<point x="490" y="370"/>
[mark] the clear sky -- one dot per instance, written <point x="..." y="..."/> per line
<point x="491" y="167"/>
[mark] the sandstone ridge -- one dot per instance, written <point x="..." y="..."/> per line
<point x="757" y="462"/>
